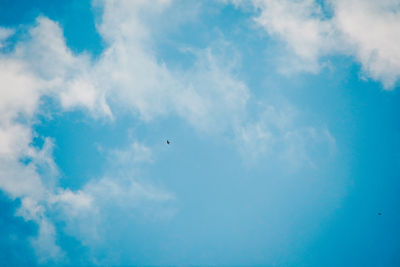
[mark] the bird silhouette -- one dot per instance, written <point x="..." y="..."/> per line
<point x="168" y="142"/>
<point x="379" y="213"/>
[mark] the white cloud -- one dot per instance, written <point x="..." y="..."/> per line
<point x="301" y="24"/>
<point x="17" y="81"/>
<point x="89" y="213"/>
<point x="73" y="201"/>
<point x="20" y="180"/>
<point x="366" y="29"/>
<point x="372" y="28"/>
<point x="45" y="242"/>
<point x="19" y="98"/>
<point x="130" y="71"/>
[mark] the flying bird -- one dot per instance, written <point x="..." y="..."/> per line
<point x="168" y="142"/>
<point x="379" y="213"/>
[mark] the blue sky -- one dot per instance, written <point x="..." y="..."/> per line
<point x="283" y="118"/>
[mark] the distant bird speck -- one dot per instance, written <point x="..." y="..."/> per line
<point x="168" y="142"/>
<point x="379" y="213"/>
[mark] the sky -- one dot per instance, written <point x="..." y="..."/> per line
<point x="282" y="116"/>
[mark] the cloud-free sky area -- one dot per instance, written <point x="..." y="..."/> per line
<point x="282" y="116"/>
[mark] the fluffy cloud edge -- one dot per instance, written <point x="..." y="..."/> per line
<point x="368" y="31"/>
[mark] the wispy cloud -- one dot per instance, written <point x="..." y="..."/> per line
<point x="121" y="193"/>
<point x="5" y="33"/>
<point x="277" y="136"/>
<point x="134" y="154"/>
